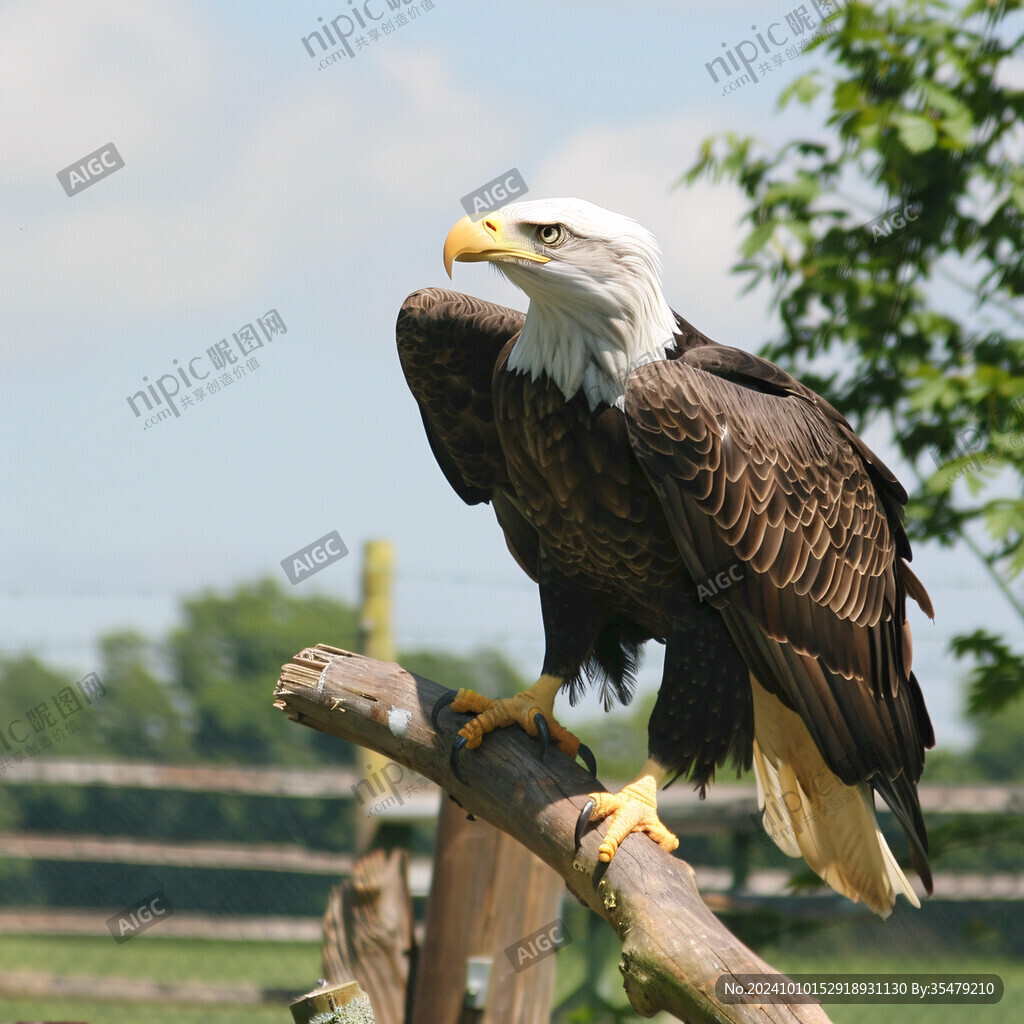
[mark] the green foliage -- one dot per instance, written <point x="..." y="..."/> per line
<point x="998" y="751"/>
<point x="145" y="717"/>
<point x="203" y="694"/>
<point x="873" y="240"/>
<point x="619" y="739"/>
<point x="997" y="679"/>
<point x="978" y="843"/>
<point x="226" y="657"/>
<point x="486" y="671"/>
<point x="25" y="683"/>
<point x="919" y="119"/>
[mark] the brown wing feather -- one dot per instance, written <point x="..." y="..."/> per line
<point x="448" y="344"/>
<point x="753" y="468"/>
<point x="790" y="496"/>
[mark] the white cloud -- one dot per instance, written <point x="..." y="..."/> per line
<point x="217" y="192"/>
<point x="76" y="75"/>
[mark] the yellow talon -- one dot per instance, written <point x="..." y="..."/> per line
<point x="633" y="809"/>
<point x="520" y="709"/>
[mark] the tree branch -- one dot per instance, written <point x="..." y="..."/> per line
<point x="673" y="948"/>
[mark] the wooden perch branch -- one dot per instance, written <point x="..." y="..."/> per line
<point x="673" y="948"/>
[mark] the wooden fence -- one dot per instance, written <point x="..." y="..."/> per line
<point x="727" y="809"/>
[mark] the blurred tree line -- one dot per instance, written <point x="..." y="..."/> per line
<point x="203" y="693"/>
<point x="200" y="695"/>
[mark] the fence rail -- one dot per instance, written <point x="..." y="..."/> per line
<point x="728" y="808"/>
<point x="732" y="801"/>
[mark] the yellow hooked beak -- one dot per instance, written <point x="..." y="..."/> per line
<point x="473" y="241"/>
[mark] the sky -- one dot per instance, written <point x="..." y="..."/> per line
<point x="257" y="180"/>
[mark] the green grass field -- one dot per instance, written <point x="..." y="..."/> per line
<point x="138" y="1013"/>
<point x="294" y="966"/>
<point x="281" y="965"/>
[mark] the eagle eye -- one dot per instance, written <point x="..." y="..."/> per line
<point x="551" y="234"/>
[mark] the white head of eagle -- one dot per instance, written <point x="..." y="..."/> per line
<point x="593" y="278"/>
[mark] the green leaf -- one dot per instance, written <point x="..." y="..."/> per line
<point x="756" y="239"/>
<point x="916" y="133"/>
<point x="804" y="89"/>
<point x="958" y="129"/>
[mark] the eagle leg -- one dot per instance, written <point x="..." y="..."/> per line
<point x="632" y="809"/>
<point x="533" y="710"/>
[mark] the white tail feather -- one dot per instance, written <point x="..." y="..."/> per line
<point x="810" y="812"/>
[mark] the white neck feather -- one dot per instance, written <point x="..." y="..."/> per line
<point x="595" y="342"/>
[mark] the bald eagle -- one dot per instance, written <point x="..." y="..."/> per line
<point x="656" y="484"/>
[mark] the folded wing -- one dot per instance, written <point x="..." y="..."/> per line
<point x="770" y="492"/>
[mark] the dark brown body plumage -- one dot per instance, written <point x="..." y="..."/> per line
<point x="718" y="461"/>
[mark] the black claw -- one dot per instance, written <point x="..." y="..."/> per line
<point x="453" y="758"/>
<point x="543" y="732"/>
<point x="588" y="759"/>
<point x="583" y="819"/>
<point x="442" y="702"/>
